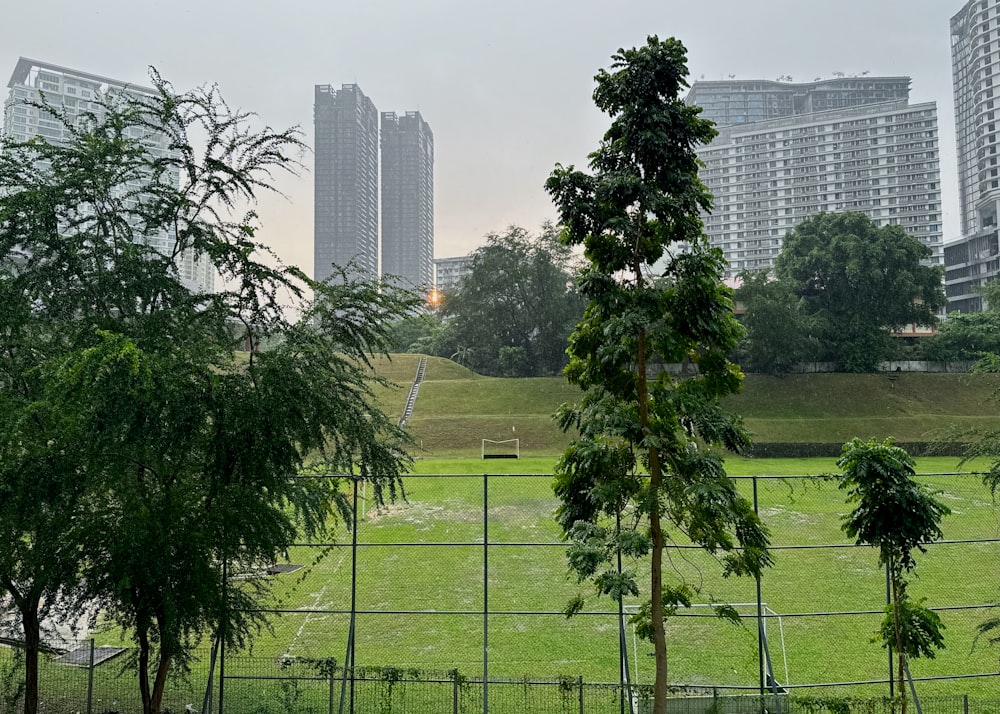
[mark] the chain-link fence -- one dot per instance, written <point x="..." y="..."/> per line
<point x="452" y="601"/>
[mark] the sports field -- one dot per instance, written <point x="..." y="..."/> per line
<point x="420" y="592"/>
<point x="428" y="566"/>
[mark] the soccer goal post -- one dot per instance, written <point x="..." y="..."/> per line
<point x="501" y="449"/>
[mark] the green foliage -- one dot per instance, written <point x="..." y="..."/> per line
<point x="131" y="434"/>
<point x="892" y="511"/>
<point x="965" y="337"/>
<point x="416" y="333"/>
<point x="897" y="515"/>
<point x="640" y="202"/>
<point x="672" y="599"/>
<point x="921" y="630"/>
<point x="858" y="282"/>
<point x="779" y="333"/>
<point x="512" y="313"/>
<point x="971" y="336"/>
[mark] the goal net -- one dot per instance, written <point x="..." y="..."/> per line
<point x="501" y="449"/>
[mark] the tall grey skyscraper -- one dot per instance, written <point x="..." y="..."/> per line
<point x="74" y="92"/>
<point x="408" y="199"/>
<point x="346" y="180"/>
<point x="975" y="258"/>
<point x="868" y="155"/>
<point x="975" y="69"/>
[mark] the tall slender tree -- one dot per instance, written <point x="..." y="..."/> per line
<point x="897" y="515"/>
<point x="644" y="455"/>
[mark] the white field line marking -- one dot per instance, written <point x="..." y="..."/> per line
<point x="317" y="604"/>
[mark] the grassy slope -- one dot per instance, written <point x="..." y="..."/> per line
<point x="456" y="409"/>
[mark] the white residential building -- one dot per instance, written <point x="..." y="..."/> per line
<point x="74" y="92"/>
<point x="767" y="177"/>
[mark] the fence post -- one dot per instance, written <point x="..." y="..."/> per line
<point x="888" y="601"/>
<point x="333" y="685"/>
<point x="486" y="593"/>
<point x="965" y="704"/>
<point x="624" y="677"/>
<point x="760" y="608"/>
<point x="90" y="679"/>
<point x="222" y="632"/>
<point x="579" y="683"/>
<point x="454" y="694"/>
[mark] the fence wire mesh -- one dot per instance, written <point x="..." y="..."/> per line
<point x="466" y="581"/>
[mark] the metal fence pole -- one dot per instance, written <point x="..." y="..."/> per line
<point x="623" y="673"/>
<point x="888" y="601"/>
<point x="333" y="687"/>
<point x="352" y="640"/>
<point x="760" y="608"/>
<point x="579" y="683"/>
<point x="222" y="633"/>
<point x="206" y="706"/>
<point x="90" y="678"/>
<point x="454" y="694"/>
<point x="349" y="653"/>
<point x="486" y="593"/>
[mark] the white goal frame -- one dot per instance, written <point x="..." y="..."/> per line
<point x="766" y="611"/>
<point x="515" y="455"/>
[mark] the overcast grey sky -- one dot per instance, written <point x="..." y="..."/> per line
<point x="505" y="86"/>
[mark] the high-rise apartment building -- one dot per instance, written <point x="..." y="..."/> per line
<point x="450" y="272"/>
<point x="73" y="93"/>
<point x="973" y="259"/>
<point x="346" y="180"/>
<point x="880" y="159"/>
<point x="745" y="101"/>
<point x="408" y="199"/>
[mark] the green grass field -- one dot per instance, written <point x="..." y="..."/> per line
<point x="425" y="556"/>
<point x="448" y="578"/>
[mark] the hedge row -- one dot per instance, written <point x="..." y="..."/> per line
<point x="809" y="449"/>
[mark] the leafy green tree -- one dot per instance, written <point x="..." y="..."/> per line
<point x="644" y="453"/>
<point x="416" y="333"/>
<point x="40" y="488"/>
<point x="898" y="516"/>
<point x="859" y="282"/>
<point x="182" y="463"/>
<point x="779" y="333"/>
<point x="517" y="305"/>
<point x="965" y="336"/>
<point x="970" y="336"/>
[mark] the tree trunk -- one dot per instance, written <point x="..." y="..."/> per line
<point x="896" y="593"/>
<point x="160" y="683"/>
<point x="144" y="693"/>
<point x="32" y="646"/>
<point x="656" y="532"/>
<point x="152" y="696"/>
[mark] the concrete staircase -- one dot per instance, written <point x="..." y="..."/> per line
<point x="411" y="398"/>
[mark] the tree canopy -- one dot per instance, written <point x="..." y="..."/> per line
<point x="132" y="431"/>
<point x="780" y="334"/>
<point x="858" y="281"/>
<point x="511" y="315"/>
<point x="644" y="463"/>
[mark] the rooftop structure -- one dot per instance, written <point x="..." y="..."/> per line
<point x="745" y="101"/>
